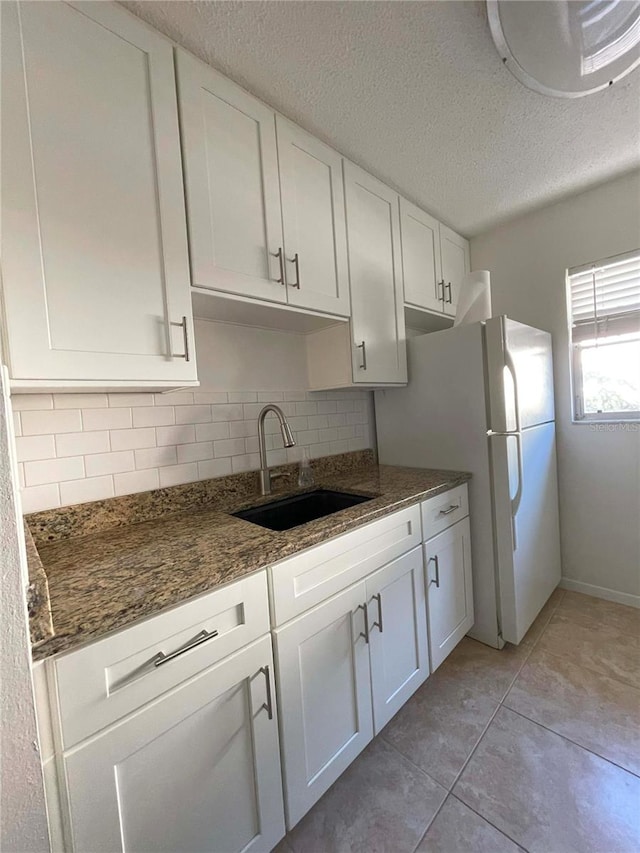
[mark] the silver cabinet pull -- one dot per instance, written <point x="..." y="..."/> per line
<point x="363" y="607"/>
<point x="279" y="255"/>
<point x="378" y="624"/>
<point x="296" y="262"/>
<point x="437" y="580"/>
<point x="363" y="347"/>
<point x="441" y="295"/>
<point x="162" y="658"/>
<point x="185" y="337"/>
<point x="449" y="300"/>
<point x="268" y="705"/>
<point x="451" y="509"/>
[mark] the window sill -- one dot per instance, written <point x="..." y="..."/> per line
<point x="609" y="424"/>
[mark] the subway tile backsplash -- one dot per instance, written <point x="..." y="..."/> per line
<point x="74" y="448"/>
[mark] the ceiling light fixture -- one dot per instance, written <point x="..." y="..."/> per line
<point x="567" y="48"/>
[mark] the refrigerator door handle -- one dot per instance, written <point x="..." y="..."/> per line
<point x="515" y="503"/>
<point x="517" y="498"/>
<point x="510" y="365"/>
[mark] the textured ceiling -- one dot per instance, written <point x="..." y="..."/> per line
<point x="415" y="93"/>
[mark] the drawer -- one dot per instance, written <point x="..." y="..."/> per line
<point x="110" y="678"/>
<point x="311" y="577"/>
<point x="443" y="510"/>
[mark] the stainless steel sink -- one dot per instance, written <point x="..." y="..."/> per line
<point x="290" y="512"/>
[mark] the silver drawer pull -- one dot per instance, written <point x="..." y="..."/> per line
<point x="451" y="509"/>
<point x="202" y="637"/>
<point x="159" y="659"/>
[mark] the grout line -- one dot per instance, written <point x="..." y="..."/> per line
<point x="506" y="834"/>
<point x="475" y="747"/>
<point x="504" y="696"/>
<point x="570" y="740"/>
<point x="482" y="734"/>
<point x="535" y="722"/>
<point x="413" y="764"/>
<point x="430" y="824"/>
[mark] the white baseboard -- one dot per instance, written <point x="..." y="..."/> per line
<point x="601" y="592"/>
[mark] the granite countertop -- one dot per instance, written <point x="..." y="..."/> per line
<point x="107" y="579"/>
<point x="38" y="598"/>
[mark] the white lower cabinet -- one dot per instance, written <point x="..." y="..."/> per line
<point x="165" y="735"/>
<point x="449" y="589"/>
<point x="398" y="634"/>
<point x="198" y="770"/>
<point x="344" y="669"/>
<point x="324" y="692"/>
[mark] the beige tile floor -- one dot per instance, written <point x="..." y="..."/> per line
<point x="536" y="748"/>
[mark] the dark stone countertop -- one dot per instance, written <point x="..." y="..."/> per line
<point x="108" y="578"/>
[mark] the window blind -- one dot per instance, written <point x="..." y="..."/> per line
<point x="605" y="298"/>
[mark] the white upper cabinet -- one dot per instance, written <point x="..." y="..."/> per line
<point x="421" y="267"/>
<point x="231" y="178"/>
<point x="315" y="238"/>
<point x="371" y="349"/>
<point x="454" y="251"/>
<point x="377" y="316"/>
<point x="434" y="261"/>
<point x="242" y="189"/>
<point x="94" y="249"/>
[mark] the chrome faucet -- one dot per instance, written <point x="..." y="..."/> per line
<point x="287" y="437"/>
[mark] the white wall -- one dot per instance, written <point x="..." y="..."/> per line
<point x="241" y="358"/>
<point x="74" y="448"/>
<point x="23" y="824"/>
<point x="599" y="465"/>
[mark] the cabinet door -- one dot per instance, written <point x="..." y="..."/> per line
<point x="454" y="251"/>
<point x="398" y="634"/>
<point x="377" y="302"/>
<point x="231" y="178"/>
<point x="324" y="696"/>
<point x="95" y="265"/>
<point x="315" y="235"/>
<point x="197" y="771"/>
<point x="449" y="590"/>
<point x="420" y="258"/>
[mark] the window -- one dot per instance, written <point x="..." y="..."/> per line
<point x="604" y="305"/>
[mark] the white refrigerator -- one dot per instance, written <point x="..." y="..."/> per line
<point x="480" y="399"/>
